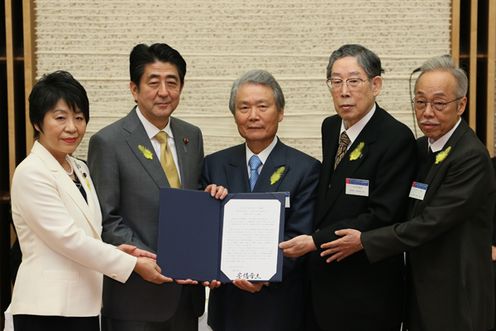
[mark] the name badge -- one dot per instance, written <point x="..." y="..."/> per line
<point x="418" y="190"/>
<point x="357" y="187"/>
<point x="286" y="204"/>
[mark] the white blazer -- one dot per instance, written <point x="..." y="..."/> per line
<point x="63" y="257"/>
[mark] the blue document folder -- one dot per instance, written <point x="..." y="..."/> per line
<point x="190" y="234"/>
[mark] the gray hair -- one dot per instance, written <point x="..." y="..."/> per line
<point x="261" y="77"/>
<point x="368" y="60"/>
<point x="445" y="63"/>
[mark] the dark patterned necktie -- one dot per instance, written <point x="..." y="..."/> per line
<point x="344" y="141"/>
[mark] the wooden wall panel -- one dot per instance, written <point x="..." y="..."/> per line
<point x="9" y="53"/>
<point x="472" y="93"/>
<point x="29" y="65"/>
<point x="473" y="35"/>
<point x="17" y="73"/>
<point x="491" y="76"/>
<point x="455" y="30"/>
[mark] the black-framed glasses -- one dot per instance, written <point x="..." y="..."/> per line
<point x="420" y="104"/>
<point x="351" y="83"/>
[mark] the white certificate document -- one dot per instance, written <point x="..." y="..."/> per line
<point x="250" y="238"/>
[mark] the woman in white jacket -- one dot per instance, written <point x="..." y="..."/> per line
<point x="57" y="217"/>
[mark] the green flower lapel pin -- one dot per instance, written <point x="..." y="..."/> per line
<point x="276" y="176"/>
<point x="357" y="152"/>
<point x="442" y="155"/>
<point x="146" y="152"/>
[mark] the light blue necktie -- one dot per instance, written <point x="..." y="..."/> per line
<point x="254" y="163"/>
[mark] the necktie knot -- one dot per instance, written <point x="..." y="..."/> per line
<point x="344" y="141"/>
<point x="161" y="137"/>
<point x="254" y="164"/>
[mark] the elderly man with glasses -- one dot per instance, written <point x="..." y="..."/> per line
<point x="367" y="170"/>
<point x="448" y="234"/>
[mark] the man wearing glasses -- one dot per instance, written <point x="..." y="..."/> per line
<point x="448" y="234"/>
<point x="367" y="171"/>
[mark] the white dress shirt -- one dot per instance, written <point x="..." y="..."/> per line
<point x="152" y="130"/>
<point x="438" y="145"/>
<point x="354" y="130"/>
<point x="263" y="155"/>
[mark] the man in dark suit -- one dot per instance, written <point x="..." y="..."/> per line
<point x="368" y="164"/>
<point x="257" y="103"/>
<point x="448" y="234"/>
<point x="129" y="161"/>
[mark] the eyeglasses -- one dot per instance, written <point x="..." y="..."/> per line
<point x="351" y="83"/>
<point x="437" y="105"/>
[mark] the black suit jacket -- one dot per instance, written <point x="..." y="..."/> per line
<point x="494" y="223"/>
<point x="448" y="239"/>
<point x="280" y="305"/>
<point x="354" y="294"/>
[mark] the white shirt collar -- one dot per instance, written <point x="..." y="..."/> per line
<point x="263" y="155"/>
<point x="354" y="130"/>
<point x="438" y="145"/>
<point x="152" y="130"/>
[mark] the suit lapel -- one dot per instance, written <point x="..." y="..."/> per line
<point x="330" y="149"/>
<point x="92" y="200"/>
<point x="347" y="167"/>
<point x="237" y="171"/>
<point x="273" y="171"/>
<point x="65" y="183"/>
<point x="78" y="199"/>
<point x="423" y="155"/>
<point x="435" y="168"/>
<point x="452" y="141"/>
<point x="137" y="137"/>
<point x="181" y="140"/>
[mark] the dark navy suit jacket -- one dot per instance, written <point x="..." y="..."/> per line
<point x="278" y="306"/>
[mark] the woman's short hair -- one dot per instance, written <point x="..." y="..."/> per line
<point x="49" y="90"/>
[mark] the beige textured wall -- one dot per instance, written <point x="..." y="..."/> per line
<point x="221" y="39"/>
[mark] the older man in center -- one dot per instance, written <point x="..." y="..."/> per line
<point x="368" y="164"/>
<point x="263" y="164"/>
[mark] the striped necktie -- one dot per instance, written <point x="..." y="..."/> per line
<point x="344" y="141"/>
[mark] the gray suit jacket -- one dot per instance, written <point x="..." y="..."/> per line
<point x="448" y="240"/>
<point x="127" y="183"/>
